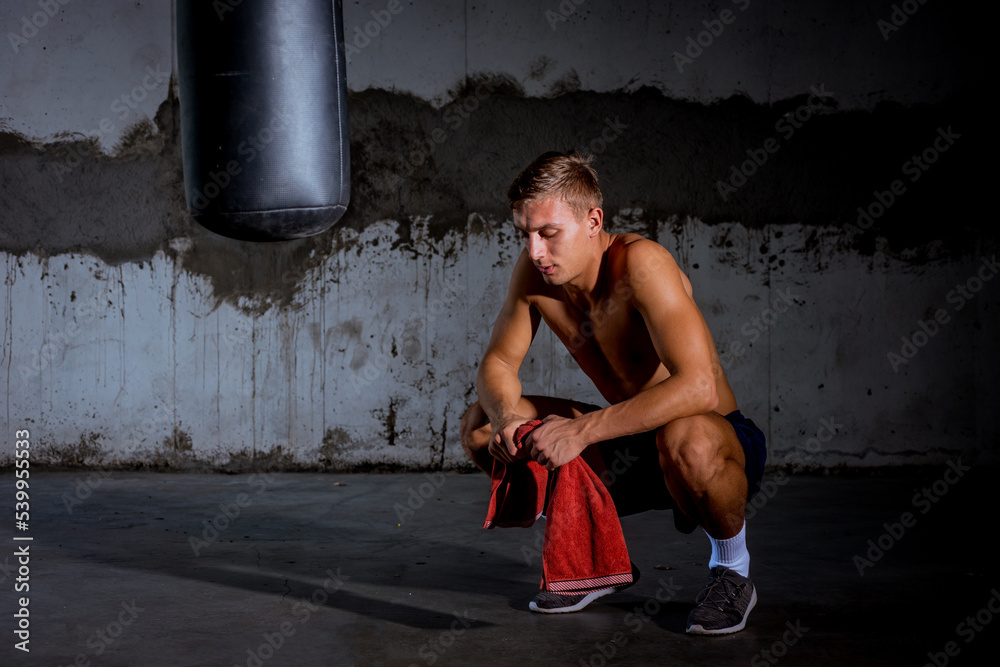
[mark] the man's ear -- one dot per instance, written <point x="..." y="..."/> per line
<point x="595" y="222"/>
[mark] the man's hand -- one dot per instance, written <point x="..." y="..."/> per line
<point x="556" y="442"/>
<point x="502" y="440"/>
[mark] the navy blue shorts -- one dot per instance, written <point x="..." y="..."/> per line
<point x="633" y="475"/>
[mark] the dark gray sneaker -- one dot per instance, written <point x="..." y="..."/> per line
<point x="557" y="603"/>
<point x="723" y="605"/>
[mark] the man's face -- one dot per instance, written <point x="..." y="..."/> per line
<point x="554" y="237"/>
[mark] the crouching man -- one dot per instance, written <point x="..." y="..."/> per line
<point x="626" y="312"/>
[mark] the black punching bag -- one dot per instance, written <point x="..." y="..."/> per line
<point x="263" y="98"/>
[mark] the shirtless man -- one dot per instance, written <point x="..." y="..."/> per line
<point x="625" y="311"/>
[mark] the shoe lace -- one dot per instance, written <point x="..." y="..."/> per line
<point x="719" y="591"/>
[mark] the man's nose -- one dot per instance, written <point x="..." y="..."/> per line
<point x="536" y="250"/>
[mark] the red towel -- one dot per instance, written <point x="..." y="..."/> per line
<point x="584" y="549"/>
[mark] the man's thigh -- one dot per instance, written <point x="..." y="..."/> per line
<point x="629" y="466"/>
<point x="732" y="437"/>
<point x="540" y="407"/>
<point x="633" y="467"/>
<point x="631" y="470"/>
<point x="632" y="473"/>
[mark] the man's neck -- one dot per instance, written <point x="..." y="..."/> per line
<point x="584" y="291"/>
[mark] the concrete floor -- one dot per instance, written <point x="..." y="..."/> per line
<point x="330" y="570"/>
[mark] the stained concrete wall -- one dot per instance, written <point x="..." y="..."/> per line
<point x="132" y="337"/>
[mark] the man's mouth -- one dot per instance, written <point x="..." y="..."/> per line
<point x="547" y="269"/>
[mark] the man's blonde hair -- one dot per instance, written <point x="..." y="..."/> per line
<point x="567" y="176"/>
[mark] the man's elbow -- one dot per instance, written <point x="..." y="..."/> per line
<point x="492" y="367"/>
<point x="483" y="377"/>
<point x="711" y="401"/>
<point x="487" y="366"/>
<point x="706" y="395"/>
<point x="481" y="372"/>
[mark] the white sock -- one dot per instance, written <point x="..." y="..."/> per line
<point x="731" y="553"/>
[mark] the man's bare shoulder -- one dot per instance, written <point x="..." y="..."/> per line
<point x="636" y="258"/>
<point x="642" y="264"/>
<point x="628" y="239"/>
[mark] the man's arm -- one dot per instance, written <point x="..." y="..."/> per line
<point x="683" y="343"/>
<point x="497" y="383"/>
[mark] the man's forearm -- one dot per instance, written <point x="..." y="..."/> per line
<point x="671" y="399"/>
<point x="498" y="388"/>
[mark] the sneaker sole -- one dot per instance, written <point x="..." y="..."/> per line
<point x="699" y="630"/>
<point x="590" y="597"/>
<point x="587" y="599"/>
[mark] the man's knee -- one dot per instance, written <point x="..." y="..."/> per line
<point x="474" y="430"/>
<point x="690" y="452"/>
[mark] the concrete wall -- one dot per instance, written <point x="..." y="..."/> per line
<point x="132" y="337"/>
